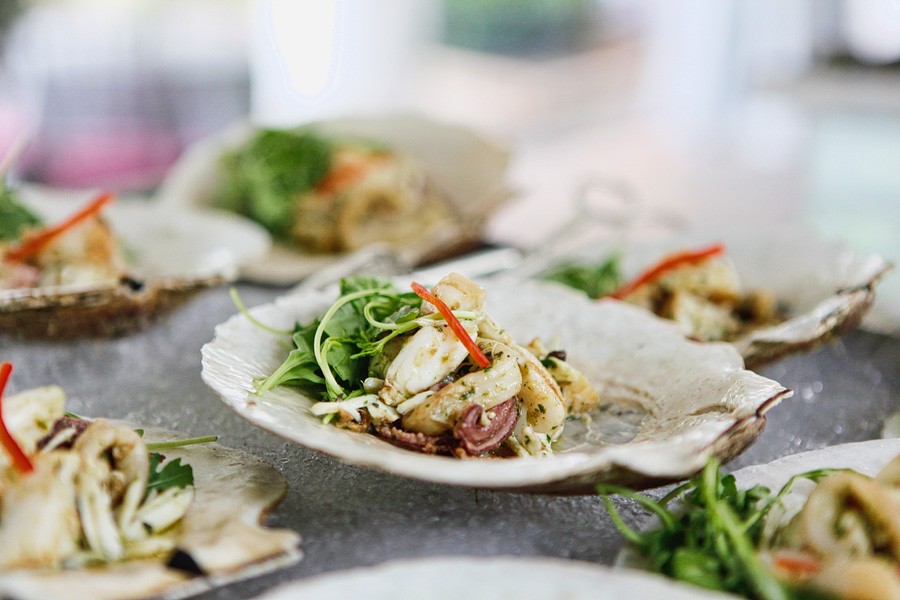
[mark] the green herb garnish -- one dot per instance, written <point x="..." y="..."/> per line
<point x="711" y="538"/>
<point x="206" y="439"/>
<point x="14" y="217"/>
<point x="332" y="355"/>
<point x="595" y="280"/>
<point x="172" y="474"/>
<point x="263" y="178"/>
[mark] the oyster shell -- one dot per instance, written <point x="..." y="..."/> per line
<point x="222" y="530"/>
<point x="667" y="402"/>
<point x="466" y="169"/>
<point x="490" y="578"/>
<point x="177" y="253"/>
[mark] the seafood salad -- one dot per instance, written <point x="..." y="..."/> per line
<point x="845" y="539"/>
<point x="836" y="538"/>
<point x="81" y="250"/>
<point x="326" y="194"/>
<point x="78" y="492"/>
<point x="698" y="288"/>
<point x="431" y="371"/>
<point x="96" y="509"/>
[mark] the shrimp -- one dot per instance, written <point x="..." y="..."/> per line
<point x="827" y="525"/>
<point x="488" y="387"/>
<point x="579" y="396"/>
<point x="429" y="355"/>
<point x="433" y="352"/>
<point x="458" y="293"/>
<point x="88" y="253"/>
<point x="540" y="394"/>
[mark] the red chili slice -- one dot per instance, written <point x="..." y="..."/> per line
<point x="461" y="334"/>
<point x="673" y="261"/>
<point x="18" y="458"/>
<point x="796" y="564"/>
<point x="34" y="243"/>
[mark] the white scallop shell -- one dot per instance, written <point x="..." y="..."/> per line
<point x="451" y="578"/>
<point x="672" y="402"/>
<point x="465" y="168"/>
<point x="177" y="253"/>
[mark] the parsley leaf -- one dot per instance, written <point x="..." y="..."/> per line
<point x="172" y="474"/>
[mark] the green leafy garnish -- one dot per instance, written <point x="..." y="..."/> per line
<point x="263" y="178"/>
<point x="172" y="474"/>
<point x="14" y="217"/>
<point x="711" y="538"/>
<point x="595" y="280"/>
<point x="332" y="355"/>
<point x="206" y="439"/>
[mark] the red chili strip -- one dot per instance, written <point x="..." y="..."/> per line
<point x="796" y="564"/>
<point x="669" y="263"/>
<point x="34" y="243"/>
<point x="16" y="455"/>
<point x="461" y="334"/>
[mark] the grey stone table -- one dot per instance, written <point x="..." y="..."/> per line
<point x="350" y="516"/>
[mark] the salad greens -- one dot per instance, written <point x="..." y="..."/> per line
<point x="262" y="178"/>
<point x="711" y="538"/>
<point x="13" y="216"/>
<point x="595" y="280"/>
<point x="335" y="353"/>
<point x="172" y="474"/>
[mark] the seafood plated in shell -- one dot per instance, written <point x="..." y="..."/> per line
<point x="421" y="187"/>
<point x="665" y="403"/>
<point x="117" y="271"/>
<point x="835" y="530"/>
<point x="91" y="508"/>
<point x="771" y="294"/>
<point x="432" y="371"/>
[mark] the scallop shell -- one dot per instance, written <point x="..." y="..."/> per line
<point x="827" y="287"/>
<point x="222" y="531"/>
<point x="491" y="579"/>
<point x="668" y="403"/>
<point x="465" y="168"/>
<point x="177" y="253"/>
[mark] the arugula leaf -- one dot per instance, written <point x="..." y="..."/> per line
<point x="333" y="355"/>
<point x="172" y="474"/>
<point x="13" y="216"/>
<point x="263" y="178"/>
<point x="594" y="280"/>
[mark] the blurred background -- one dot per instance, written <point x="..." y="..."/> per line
<point x="712" y="112"/>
